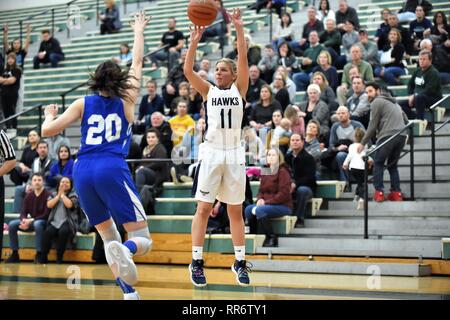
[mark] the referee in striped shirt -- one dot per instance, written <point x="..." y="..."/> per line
<point x="7" y="163"/>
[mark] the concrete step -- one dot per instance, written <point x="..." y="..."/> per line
<point x="374" y="232"/>
<point x="356" y="247"/>
<point x="388" y="206"/>
<point x="333" y="267"/>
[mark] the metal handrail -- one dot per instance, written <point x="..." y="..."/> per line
<point x="433" y="138"/>
<point x="39" y="106"/>
<point x="409" y="126"/>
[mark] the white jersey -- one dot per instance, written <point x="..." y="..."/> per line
<point x="224" y="110"/>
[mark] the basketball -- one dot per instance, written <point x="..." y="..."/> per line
<point x="202" y="12"/>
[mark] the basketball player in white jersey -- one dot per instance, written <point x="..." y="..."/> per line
<point x="221" y="171"/>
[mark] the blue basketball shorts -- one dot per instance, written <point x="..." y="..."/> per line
<point x="105" y="189"/>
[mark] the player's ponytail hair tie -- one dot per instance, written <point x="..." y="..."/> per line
<point x="110" y="79"/>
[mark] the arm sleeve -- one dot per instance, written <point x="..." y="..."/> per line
<point x="373" y="123"/>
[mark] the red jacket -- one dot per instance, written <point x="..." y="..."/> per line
<point x="276" y="188"/>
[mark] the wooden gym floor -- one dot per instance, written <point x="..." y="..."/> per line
<point x="33" y="281"/>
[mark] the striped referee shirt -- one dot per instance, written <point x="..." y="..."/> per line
<point x="6" y="148"/>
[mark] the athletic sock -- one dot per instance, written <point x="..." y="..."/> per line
<point x="131" y="245"/>
<point x="126" y="288"/>
<point x="197" y="253"/>
<point x="239" y="252"/>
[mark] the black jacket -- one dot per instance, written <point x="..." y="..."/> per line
<point x="161" y="168"/>
<point x="50" y="46"/>
<point x="303" y="168"/>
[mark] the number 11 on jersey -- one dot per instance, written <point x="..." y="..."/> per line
<point x="222" y="118"/>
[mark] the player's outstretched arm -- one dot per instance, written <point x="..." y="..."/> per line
<point x="242" y="66"/>
<point x="197" y="82"/>
<point x="52" y="126"/>
<point x="138" y="25"/>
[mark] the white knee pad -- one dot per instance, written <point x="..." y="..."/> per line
<point x="143" y="240"/>
<point x="108" y="235"/>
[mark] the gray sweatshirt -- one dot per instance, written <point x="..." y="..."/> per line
<point x="386" y="118"/>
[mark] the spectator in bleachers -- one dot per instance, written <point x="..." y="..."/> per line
<point x="324" y="66"/>
<point x="349" y="38"/>
<point x="174" y="39"/>
<point x="424" y="87"/>
<point x="313" y="145"/>
<point x="324" y="11"/>
<point x="253" y="51"/>
<point x="156" y="121"/>
<point x="385" y="24"/>
<point x="174" y="78"/>
<point x="54" y="143"/>
<point x="440" y="30"/>
<point x="277" y="5"/>
<point x="188" y="149"/>
<point x="33" y="217"/>
<point x="152" y="173"/>
<point x="274" y="197"/>
<point x="290" y="85"/>
<point x="346" y="13"/>
<point x="342" y="135"/>
<point x="316" y="109"/>
<point x="151" y="102"/>
<point x="286" y="58"/>
<point x="21" y="52"/>
<point x="10" y="83"/>
<point x="278" y="87"/>
<point x="205" y="65"/>
<point x="254" y="87"/>
<point x="284" y="31"/>
<point x="355" y="162"/>
<point x="358" y="104"/>
<point x="407" y="42"/>
<point x="268" y="63"/>
<point x="313" y="24"/>
<point x="41" y="165"/>
<point x="391" y="60"/>
<point x="61" y="168"/>
<point x="124" y="55"/>
<point x="364" y="70"/>
<point x="16" y="45"/>
<point x="293" y="114"/>
<point x="221" y="29"/>
<point x="62" y="223"/>
<point x="49" y="51"/>
<point x="327" y="94"/>
<point x="183" y="94"/>
<point x="255" y="151"/>
<point x="110" y="18"/>
<point x="21" y="173"/>
<point x="419" y="26"/>
<point x="281" y="132"/>
<point x="408" y="11"/>
<point x="331" y="39"/>
<point x="261" y="116"/>
<point x="309" y="61"/>
<point x="386" y="119"/>
<point x="181" y="123"/>
<point x="441" y="58"/>
<point x="195" y="103"/>
<point x="369" y="49"/>
<point x="303" y="168"/>
<point x="345" y="90"/>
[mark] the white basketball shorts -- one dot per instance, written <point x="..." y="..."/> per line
<point x="220" y="174"/>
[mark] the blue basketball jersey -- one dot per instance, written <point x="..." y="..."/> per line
<point x="104" y="128"/>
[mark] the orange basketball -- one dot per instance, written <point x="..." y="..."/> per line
<point x="202" y="12"/>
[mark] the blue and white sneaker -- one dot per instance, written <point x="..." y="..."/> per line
<point x="241" y="271"/>
<point x="197" y="274"/>
<point x="123" y="259"/>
